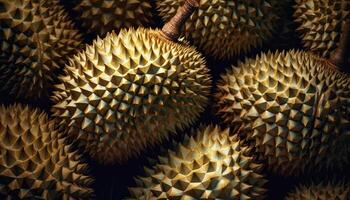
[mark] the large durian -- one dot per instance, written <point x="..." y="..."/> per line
<point x="35" y="162"/>
<point x="321" y="192"/>
<point x="320" y="23"/>
<point x="293" y="106"/>
<point x="224" y="28"/>
<point x="210" y="165"/>
<point x="35" y="38"/>
<point x="130" y="90"/>
<point x="102" y="16"/>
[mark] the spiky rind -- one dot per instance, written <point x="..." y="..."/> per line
<point x="292" y="105"/>
<point x="321" y="23"/>
<point x="35" y="38"/>
<point x="225" y="28"/>
<point x="210" y="165"/>
<point x="321" y="192"/>
<point x="103" y="16"/>
<point x="129" y="91"/>
<point x="35" y="162"/>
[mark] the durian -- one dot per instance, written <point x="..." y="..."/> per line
<point x="35" y="38"/>
<point x="320" y="23"/>
<point x="293" y="106"/>
<point x="210" y="165"/>
<point x="129" y="91"/>
<point x="321" y="192"/>
<point x="102" y="16"/>
<point x="35" y="162"/>
<point x="225" y="28"/>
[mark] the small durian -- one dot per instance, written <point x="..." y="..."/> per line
<point x="320" y="23"/>
<point x="35" y="161"/>
<point x="130" y="90"/>
<point x="321" y="192"/>
<point x="293" y="105"/>
<point x="35" y="38"/>
<point x="209" y="165"/>
<point x="225" y="28"/>
<point x="102" y="16"/>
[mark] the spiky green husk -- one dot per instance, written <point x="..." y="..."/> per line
<point x="225" y="28"/>
<point x="292" y="105"/>
<point x="103" y="16"/>
<point x="321" y="192"/>
<point x="321" y="23"/>
<point x="35" y="38"/>
<point x="35" y="162"/>
<point x="210" y="165"/>
<point x="129" y="91"/>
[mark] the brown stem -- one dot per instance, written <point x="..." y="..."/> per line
<point x="171" y="30"/>
<point x="340" y="57"/>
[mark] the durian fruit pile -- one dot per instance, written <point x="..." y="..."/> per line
<point x="210" y="165"/>
<point x="35" y="161"/>
<point x="321" y="192"/>
<point x="135" y="90"/>
<point x="102" y="16"/>
<point x="293" y="106"/>
<point x="35" y="38"/>
<point x="225" y="28"/>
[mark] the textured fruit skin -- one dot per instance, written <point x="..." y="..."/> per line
<point x="293" y="106"/>
<point x="210" y="165"/>
<point x="35" y="38"/>
<point x="321" y="192"/>
<point x="320" y="23"/>
<point x="129" y="91"/>
<point x="103" y="16"/>
<point x="35" y="162"/>
<point x="225" y="28"/>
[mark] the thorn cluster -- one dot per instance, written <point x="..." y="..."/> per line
<point x="103" y="16"/>
<point x="130" y="90"/>
<point x="35" y="161"/>
<point x="210" y="165"/>
<point x="227" y="28"/>
<point x="36" y="36"/>
<point x="293" y="106"/>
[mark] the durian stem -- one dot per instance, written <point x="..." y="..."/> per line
<point x="171" y="30"/>
<point x="340" y="57"/>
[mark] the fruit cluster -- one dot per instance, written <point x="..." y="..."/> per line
<point x="106" y="83"/>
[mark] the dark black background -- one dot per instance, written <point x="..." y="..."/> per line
<point x="111" y="182"/>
